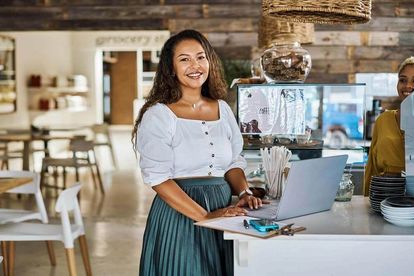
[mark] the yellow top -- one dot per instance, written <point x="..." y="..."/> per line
<point x="386" y="154"/>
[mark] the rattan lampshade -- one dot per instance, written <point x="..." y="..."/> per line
<point x="319" y="11"/>
<point x="270" y="27"/>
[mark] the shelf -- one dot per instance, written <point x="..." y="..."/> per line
<point x="6" y="107"/>
<point x="6" y="48"/>
<point x="7" y="73"/>
<point x="69" y="109"/>
<point x="69" y="90"/>
<point x="7" y="82"/>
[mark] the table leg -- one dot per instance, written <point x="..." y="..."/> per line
<point x="26" y="155"/>
<point x="46" y="147"/>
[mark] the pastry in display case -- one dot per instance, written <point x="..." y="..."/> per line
<point x="7" y="75"/>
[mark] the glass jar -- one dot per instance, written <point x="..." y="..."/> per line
<point x="346" y="188"/>
<point x="286" y="61"/>
<point x="255" y="68"/>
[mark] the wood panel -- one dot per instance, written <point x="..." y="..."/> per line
<point x="234" y="52"/>
<point x="326" y="52"/>
<point x="135" y="12"/>
<point x="112" y="24"/>
<point x="123" y="88"/>
<point x="214" y="24"/>
<point x="333" y="66"/>
<point x="231" y="27"/>
<point x="382" y="53"/>
<point x="232" y="38"/>
<point x="232" y="10"/>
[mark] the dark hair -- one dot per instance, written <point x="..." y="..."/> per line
<point x="407" y="61"/>
<point x="166" y="88"/>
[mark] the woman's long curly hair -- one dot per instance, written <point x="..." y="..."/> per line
<point x="166" y="87"/>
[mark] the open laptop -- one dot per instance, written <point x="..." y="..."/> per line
<point x="311" y="187"/>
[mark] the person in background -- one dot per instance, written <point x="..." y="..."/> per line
<point x="386" y="154"/>
<point x="189" y="144"/>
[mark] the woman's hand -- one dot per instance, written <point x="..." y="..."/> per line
<point x="230" y="211"/>
<point x="251" y="201"/>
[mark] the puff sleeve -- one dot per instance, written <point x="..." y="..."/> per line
<point x="154" y="144"/>
<point x="236" y="140"/>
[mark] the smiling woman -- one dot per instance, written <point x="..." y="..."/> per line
<point x="189" y="145"/>
<point x="386" y="155"/>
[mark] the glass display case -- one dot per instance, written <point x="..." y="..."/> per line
<point x="311" y="120"/>
<point x="7" y="75"/>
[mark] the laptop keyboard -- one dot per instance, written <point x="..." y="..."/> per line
<point x="268" y="211"/>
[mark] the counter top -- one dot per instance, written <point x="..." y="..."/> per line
<point x="346" y="220"/>
<point x="348" y="240"/>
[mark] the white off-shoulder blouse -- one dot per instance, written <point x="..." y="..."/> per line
<point x="172" y="147"/>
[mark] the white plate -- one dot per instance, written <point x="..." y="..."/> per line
<point x="396" y="209"/>
<point x="397" y="216"/>
<point x="405" y="223"/>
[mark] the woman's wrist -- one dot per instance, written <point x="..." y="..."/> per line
<point x="244" y="192"/>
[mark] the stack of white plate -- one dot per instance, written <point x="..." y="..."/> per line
<point x="398" y="210"/>
<point x="382" y="187"/>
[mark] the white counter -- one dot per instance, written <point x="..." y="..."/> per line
<point x="350" y="239"/>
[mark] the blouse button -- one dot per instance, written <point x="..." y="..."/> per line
<point x="211" y="143"/>
<point x="209" y="173"/>
<point x="212" y="155"/>
<point x="203" y="123"/>
<point x="211" y="166"/>
<point x="206" y="132"/>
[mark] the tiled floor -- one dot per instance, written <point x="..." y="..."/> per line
<point x="114" y="222"/>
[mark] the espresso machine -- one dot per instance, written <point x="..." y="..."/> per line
<point x="407" y="124"/>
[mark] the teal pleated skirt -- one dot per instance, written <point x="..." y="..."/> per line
<point x="173" y="245"/>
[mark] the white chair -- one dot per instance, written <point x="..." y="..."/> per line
<point x="19" y="215"/>
<point x="64" y="232"/>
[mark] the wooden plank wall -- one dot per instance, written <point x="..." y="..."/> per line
<point x="339" y="51"/>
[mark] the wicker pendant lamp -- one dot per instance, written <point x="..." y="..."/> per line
<point x="270" y="27"/>
<point x="319" y="11"/>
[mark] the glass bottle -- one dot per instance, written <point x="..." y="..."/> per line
<point x="346" y="188"/>
<point x="286" y="61"/>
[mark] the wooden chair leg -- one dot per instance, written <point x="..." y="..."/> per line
<point x="85" y="254"/>
<point x="90" y="165"/>
<point x="64" y="178"/>
<point x="98" y="174"/>
<point x="76" y="174"/>
<point x="11" y="257"/>
<point x="5" y="258"/>
<point x="51" y="252"/>
<point x="113" y="157"/>
<point x="42" y="175"/>
<point x="70" y="257"/>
